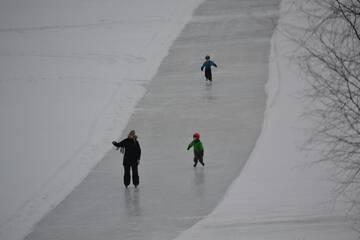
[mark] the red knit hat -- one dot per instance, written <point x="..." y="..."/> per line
<point x="196" y="135"/>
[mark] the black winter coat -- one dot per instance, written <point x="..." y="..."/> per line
<point x="132" y="150"/>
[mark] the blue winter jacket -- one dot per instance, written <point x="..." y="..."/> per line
<point x="207" y="65"/>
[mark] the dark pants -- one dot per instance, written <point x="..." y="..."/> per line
<point x="208" y="74"/>
<point x="198" y="157"/>
<point x="135" y="174"/>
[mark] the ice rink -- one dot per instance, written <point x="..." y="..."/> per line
<point x="173" y="195"/>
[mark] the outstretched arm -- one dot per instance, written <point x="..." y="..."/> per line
<point x="115" y="144"/>
<point x="190" y="145"/>
<point x="214" y="64"/>
<point x="119" y="144"/>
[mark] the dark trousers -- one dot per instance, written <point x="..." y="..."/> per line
<point x="208" y="74"/>
<point x="198" y="157"/>
<point x="135" y="174"/>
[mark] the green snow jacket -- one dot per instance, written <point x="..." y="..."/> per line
<point x="198" y="147"/>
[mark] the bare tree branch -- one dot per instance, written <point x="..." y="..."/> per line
<point x="331" y="59"/>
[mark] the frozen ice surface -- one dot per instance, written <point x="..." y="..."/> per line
<point x="228" y="113"/>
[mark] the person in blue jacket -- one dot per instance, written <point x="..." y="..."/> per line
<point x="207" y="65"/>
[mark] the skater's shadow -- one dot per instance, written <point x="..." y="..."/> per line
<point x="209" y="92"/>
<point x="199" y="176"/>
<point x="132" y="202"/>
<point x="199" y="181"/>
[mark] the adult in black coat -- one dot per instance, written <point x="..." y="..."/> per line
<point x="130" y="147"/>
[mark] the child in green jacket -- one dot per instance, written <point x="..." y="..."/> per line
<point x="198" y="149"/>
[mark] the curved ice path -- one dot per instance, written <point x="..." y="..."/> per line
<point x="279" y="195"/>
<point x="229" y="113"/>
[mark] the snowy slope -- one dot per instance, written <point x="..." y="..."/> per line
<point x="278" y="194"/>
<point x="71" y="74"/>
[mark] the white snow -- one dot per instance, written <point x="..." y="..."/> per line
<point x="279" y="193"/>
<point x="71" y="74"/>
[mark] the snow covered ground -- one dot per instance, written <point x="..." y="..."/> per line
<point x="71" y="74"/>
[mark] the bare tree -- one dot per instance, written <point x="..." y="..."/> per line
<point x="332" y="60"/>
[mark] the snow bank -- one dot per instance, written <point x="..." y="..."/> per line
<point x="71" y="74"/>
<point x="278" y="194"/>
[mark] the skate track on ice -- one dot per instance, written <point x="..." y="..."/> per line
<point x="229" y="113"/>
